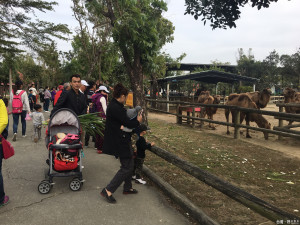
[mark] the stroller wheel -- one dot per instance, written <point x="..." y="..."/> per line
<point x="44" y="187"/>
<point x="75" y="184"/>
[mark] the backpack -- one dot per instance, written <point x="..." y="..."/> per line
<point x="17" y="104"/>
<point x="95" y="101"/>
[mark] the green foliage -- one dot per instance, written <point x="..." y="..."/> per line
<point x="17" y="23"/>
<point x="221" y="13"/>
<point x="244" y="89"/>
<point x="290" y="70"/>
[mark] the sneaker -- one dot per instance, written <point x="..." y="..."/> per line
<point x="133" y="177"/>
<point x="99" y="151"/>
<point x="5" y="202"/>
<point x="14" y="137"/>
<point x="24" y="135"/>
<point x="140" y="181"/>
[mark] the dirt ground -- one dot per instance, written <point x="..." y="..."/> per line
<point x="268" y="169"/>
<point x="289" y="146"/>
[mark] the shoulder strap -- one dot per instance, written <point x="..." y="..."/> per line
<point x="21" y="92"/>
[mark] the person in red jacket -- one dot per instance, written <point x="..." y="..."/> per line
<point x="61" y="89"/>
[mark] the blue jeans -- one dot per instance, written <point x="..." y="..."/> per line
<point x="46" y="104"/>
<point x="16" y="122"/>
<point x="2" y="194"/>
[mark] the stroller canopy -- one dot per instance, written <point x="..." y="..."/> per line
<point x="64" y="118"/>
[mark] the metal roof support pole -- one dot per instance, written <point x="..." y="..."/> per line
<point x="253" y="87"/>
<point x="216" y="88"/>
<point x="168" y="93"/>
<point x="232" y="88"/>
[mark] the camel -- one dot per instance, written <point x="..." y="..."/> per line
<point x="206" y="98"/>
<point x="261" y="98"/>
<point x="244" y="100"/>
<point x="291" y="96"/>
<point x="203" y="96"/>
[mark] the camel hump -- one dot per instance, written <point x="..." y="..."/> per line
<point x="232" y="96"/>
<point x="244" y="97"/>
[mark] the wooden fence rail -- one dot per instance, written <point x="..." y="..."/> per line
<point x="263" y="208"/>
<point x="280" y="130"/>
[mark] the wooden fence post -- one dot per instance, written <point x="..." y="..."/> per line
<point x="179" y="113"/>
<point x="193" y="115"/>
<point x="202" y="110"/>
<point x="280" y="122"/>
<point x="188" y="119"/>
<point x="236" y="123"/>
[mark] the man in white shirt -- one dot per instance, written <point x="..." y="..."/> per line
<point x="34" y="92"/>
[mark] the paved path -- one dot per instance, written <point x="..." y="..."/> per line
<point x="24" y="171"/>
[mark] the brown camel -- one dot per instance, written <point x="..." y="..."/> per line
<point x="206" y="98"/>
<point x="244" y="100"/>
<point x="261" y="98"/>
<point x="203" y="96"/>
<point x="291" y="96"/>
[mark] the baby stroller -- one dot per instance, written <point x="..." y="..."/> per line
<point x="64" y="145"/>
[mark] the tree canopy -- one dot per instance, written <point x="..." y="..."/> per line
<point x="221" y="13"/>
<point x="17" y="26"/>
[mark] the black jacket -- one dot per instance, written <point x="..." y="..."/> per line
<point x="71" y="100"/>
<point x="116" y="141"/>
<point x="141" y="146"/>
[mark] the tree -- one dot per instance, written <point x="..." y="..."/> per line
<point x="140" y="31"/>
<point x="221" y="13"/>
<point x="271" y="75"/>
<point x="17" y="27"/>
<point x="291" y="69"/>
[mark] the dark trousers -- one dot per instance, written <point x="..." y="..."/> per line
<point x="138" y="167"/>
<point x="34" y="99"/>
<point x="99" y="141"/>
<point x="31" y="104"/>
<point x="16" y="122"/>
<point x="2" y="194"/>
<point x="87" y="139"/>
<point x="46" y="104"/>
<point x="123" y="174"/>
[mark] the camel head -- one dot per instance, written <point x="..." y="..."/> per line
<point x="217" y="99"/>
<point x="267" y="91"/>
<point x="289" y="93"/>
<point x="203" y="96"/>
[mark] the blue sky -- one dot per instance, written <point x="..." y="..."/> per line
<point x="277" y="27"/>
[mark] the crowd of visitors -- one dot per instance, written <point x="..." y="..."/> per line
<point x="82" y="97"/>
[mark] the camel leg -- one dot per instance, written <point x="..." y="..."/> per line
<point x="212" y="118"/>
<point x="227" y="119"/>
<point x="248" y="124"/>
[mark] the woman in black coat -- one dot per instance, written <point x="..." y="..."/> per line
<point x="117" y="142"/>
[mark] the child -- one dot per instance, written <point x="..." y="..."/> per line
<point x="132" y="114"/>
<point x="37" y="119"/>
<point x="141" y="145"/>
<point x="31" y="100"/>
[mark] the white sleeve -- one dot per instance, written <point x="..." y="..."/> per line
<point x="103" y="103"/>
<point x="25" y="101"/>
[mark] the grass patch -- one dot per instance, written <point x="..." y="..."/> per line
<point x="265" y="173"/>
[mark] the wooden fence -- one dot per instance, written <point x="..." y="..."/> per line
<point x="279" y="130"/>
<point x="254" y="203"/>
